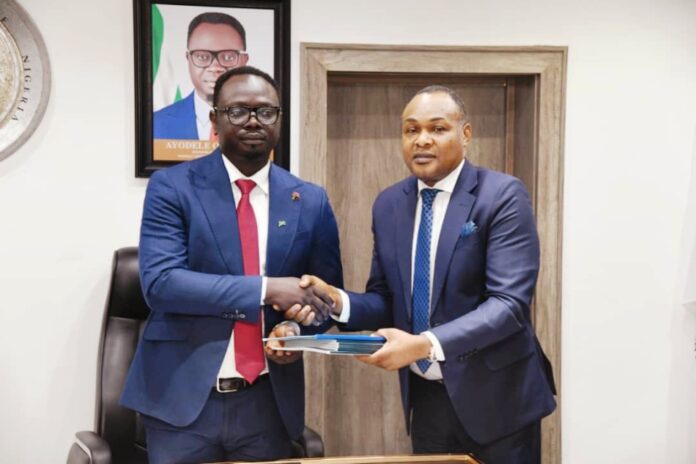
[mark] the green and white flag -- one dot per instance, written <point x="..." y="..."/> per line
<point x="165" y="89"/>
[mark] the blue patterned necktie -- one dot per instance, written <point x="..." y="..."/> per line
<point x="421" y="273"/>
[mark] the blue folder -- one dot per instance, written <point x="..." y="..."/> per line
<point x="335" y="344"/>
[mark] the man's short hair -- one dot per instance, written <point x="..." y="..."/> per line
<point x="242" y="70"/>
<point x="217" y="18"/>
<point x="452" y="94"/>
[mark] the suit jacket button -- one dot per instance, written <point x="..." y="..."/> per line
<point x="435" y="324"/>
<point x="461" y="357"/>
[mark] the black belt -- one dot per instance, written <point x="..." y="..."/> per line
<point x="233" y="384"/>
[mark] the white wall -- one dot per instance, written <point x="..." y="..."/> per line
<point x="68" y="199"/>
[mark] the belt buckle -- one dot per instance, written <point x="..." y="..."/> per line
<point x="231" y="385"/>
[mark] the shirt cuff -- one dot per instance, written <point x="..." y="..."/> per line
<point x="437" y="348"/>
<point x="345" y="308"/>
<point x="264" y="281"/>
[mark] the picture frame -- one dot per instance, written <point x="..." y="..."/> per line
<point x="171" y="93"/>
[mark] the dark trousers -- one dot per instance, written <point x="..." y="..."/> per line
<point x="436" y="429"/>
<point x="240" y="426"/>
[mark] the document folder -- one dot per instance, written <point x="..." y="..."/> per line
<point x="332" y="343"/>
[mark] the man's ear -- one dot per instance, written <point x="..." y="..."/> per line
<point x="213" y="119"/>
<point x="244" y="60"/>
<point x="467" y="133"/>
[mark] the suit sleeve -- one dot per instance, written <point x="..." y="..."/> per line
<point x="167" y="282"/>
<point x="512" y="266"/>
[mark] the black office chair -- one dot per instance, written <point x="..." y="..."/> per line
<point x="120" y="436"/>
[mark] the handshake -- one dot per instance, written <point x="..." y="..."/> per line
<point x="308" y="301"/>
<point x="311" y="301"/>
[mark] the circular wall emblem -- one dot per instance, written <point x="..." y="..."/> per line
<point x="25" y="80"/>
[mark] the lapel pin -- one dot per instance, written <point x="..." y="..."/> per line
<point x="282" y="223"/>
<point x="295" y="196"/>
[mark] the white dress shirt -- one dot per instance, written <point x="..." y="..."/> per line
<point x="203" y="123"/>
<point x="446" y="187"/>
<point x="259" y="199"/>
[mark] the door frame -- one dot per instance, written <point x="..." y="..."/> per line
<point x="548" y="64"/>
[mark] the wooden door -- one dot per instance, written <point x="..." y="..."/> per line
<point x="364" y="146"/>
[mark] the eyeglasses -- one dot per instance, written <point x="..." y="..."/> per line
<point x="204" y="58"/>
<point x="239" y="115"/>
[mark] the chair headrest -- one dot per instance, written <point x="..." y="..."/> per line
<point x="125" y="295"/>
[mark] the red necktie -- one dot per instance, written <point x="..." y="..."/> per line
<point x="248" y="348"/>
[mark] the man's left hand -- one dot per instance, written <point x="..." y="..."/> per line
<point x="400" y="349"/>
<point x="274" y="348"/>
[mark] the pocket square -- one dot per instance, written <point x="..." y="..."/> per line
<point x="468" y="229"/>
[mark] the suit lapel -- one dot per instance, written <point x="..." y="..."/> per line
<point x="212" y="187"/>
<point x="283" y="219"/>
<point x="405" y="214"/>
<point x="460" y="205"/>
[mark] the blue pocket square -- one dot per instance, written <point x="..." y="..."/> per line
<point x="468" y="229"/>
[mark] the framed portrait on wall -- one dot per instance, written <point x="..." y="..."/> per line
<point x="181" y="48"/>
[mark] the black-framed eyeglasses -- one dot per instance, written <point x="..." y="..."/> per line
<point x="226" y="58"/>
<point x="239" y="115"/>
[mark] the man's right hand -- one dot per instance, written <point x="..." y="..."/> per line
<point x="285" y="293"/>
<point x="305" y="314"/>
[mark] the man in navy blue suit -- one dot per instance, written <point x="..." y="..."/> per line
<point x="223" y="242"/>
<point x="216" y="43"/>
<point x="455" y="262"/>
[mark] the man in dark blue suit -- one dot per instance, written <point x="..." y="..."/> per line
<point x="216" y="43"/>
<point x="455" y="262"/>
<point x="223" y="242"/>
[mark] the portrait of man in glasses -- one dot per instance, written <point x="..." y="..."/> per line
<point x="216" y="43"/>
